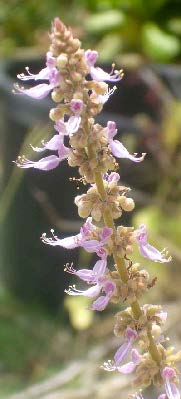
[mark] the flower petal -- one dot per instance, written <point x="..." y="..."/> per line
<point x="127" y="368"/>
<point x="122" y="352"/>
<point x="99" y="268"/>
<point x="130" y="334"/>
<point x="147" y="250"/>
<point x="135" y="356"/>
<point x="86" y="275"/>
<point x="76" y="106"/>
<point x="62" y="151"/>
<point x="112" y="177"/>
<point x="47" y="163"/>
<point x="73" y="124"/>
<point x="91" y="276"/>
<point x="37" y="92"/>
<point x="120" y="151"/>
<point x="91" y="57"/>
<point x="52" y="144"/>
<point x="42" y="75"/>
<point x="105" y="234"/>
<point x="87" y="228"/>
<point x="171" y="390"/>
<point x="100" y="75"/>
<point x="90" y="292"/>
<point x="92" y="245"/>
<point x="67" y="242"/>
<point x="60" y="126"/>
<point x="100" y="303"/>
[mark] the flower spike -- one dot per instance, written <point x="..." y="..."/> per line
<point x="79" y="89"/>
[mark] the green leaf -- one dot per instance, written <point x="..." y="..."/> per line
<point x="109" y="47"/>
<point x="159" y="45"/>
<point x="105" y="21"/>
<point x="174" y="25"/>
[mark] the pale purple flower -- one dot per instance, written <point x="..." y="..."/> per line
<point x="101" y="302"/>
<point x="76" y="106"/>
<point x="97" y="277"/>
<point x="117" y="147"/>
<point x="69" y="127"/>
<point x="72" y="241"/>
<point x="162" y="315"/>
<point x="125" y="348"/>
<point x="112" y="177"/>
<point x="54" y="144"/>
<point x="147" y="250"/>
<point x="60" y="127"/>
<point x="88" y="275"/>
<point x="44" y="74"/>
<point x="162" y="396"/>
<point x="129" y="367"/>
<point x="73" y="123"/>
<point x="37" y="92"/>
<point x="99" y="74"/>
<point x="123" y="352"/>
<point x="172" y="391"/>
<point x="91" y="57"/>
<point x="82" y="240"/>
<point x="105" y="234"/>
<point x="47" y="163"/>
<point x="50" y="73"/>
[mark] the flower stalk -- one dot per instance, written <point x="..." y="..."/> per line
<point x="120" y="263"/>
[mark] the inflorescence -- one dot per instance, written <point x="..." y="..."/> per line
<point x="80" y="90"/>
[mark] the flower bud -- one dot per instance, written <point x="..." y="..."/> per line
<point x="84" y="211"/>
<point x="76" y="76"/>
<point x="57" y="96"/>
<point x="62" y="61"/>
<point x="96" y="214"/>
<point x="56" y="113"/>
<point x="76" y="44"/>
<point x="156" y="330"/>
<point x="78" y="95"/>
<point x="127" y="204"/>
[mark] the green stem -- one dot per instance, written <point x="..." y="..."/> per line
<point x="120" y="262"/>
<point x="153" y="348"/>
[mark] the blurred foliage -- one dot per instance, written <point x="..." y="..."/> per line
<point x="32" y="344"/>
<point x="114" y="26"/>
<point x="33" y="136"/>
